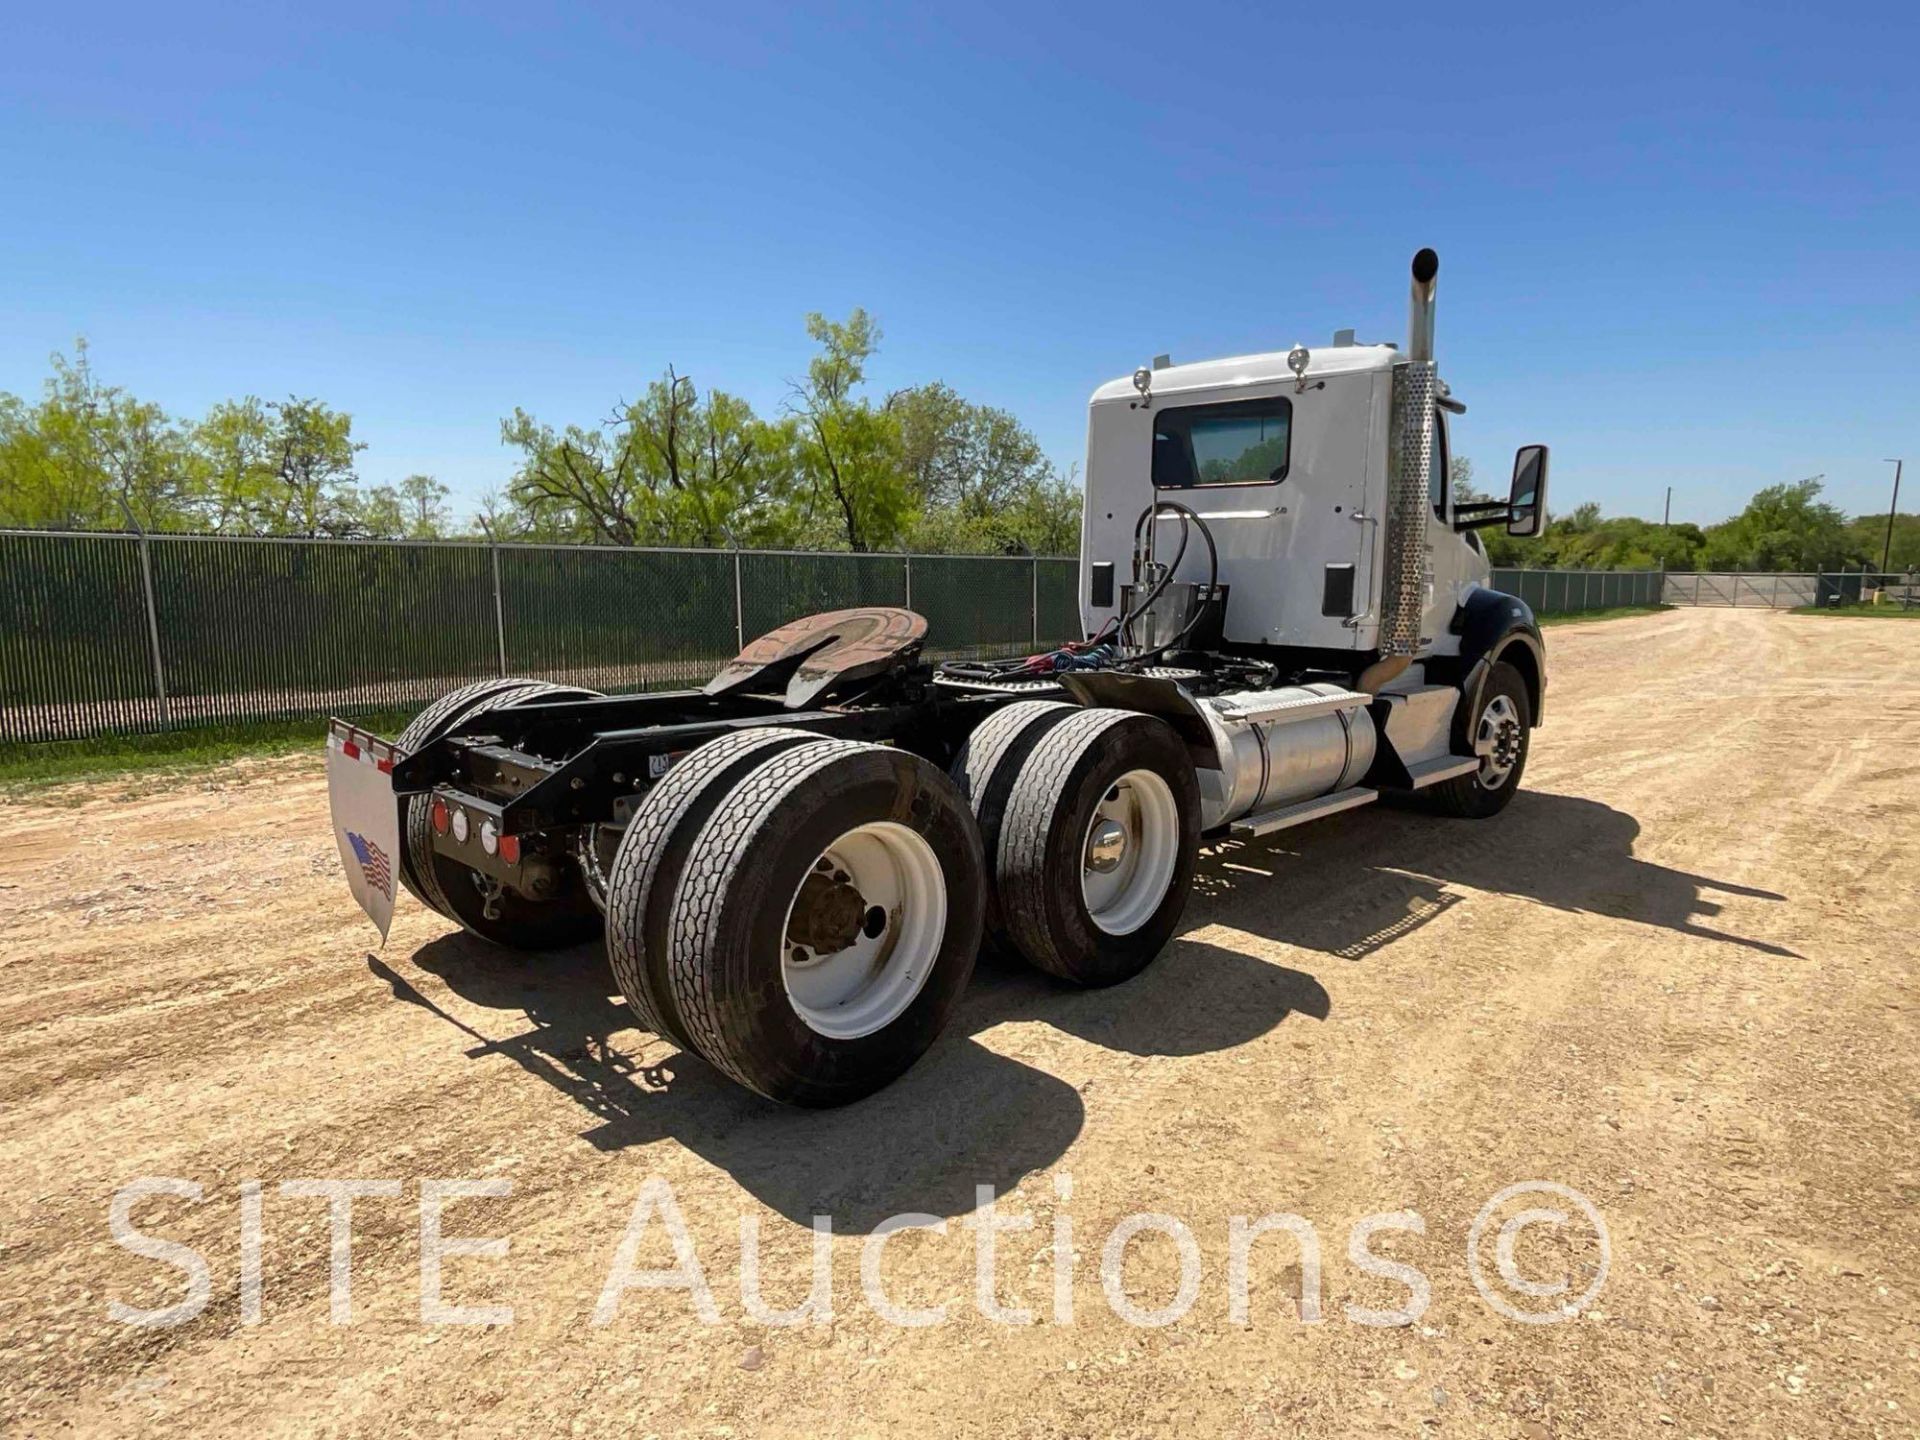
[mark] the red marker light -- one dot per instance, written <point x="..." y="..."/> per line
<point x="510" y="849"/>
<point x="441" y="820"/>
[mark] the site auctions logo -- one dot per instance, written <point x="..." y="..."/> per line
<point x="1531" y="1300"/>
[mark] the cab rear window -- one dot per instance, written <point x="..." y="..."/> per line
<point x="1241" y="442"/>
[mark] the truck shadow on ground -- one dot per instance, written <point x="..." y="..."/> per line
<point x="966" y="1115"/>
<point x="1355" y="882"/>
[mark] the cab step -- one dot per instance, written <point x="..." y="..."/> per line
<point x="1301" y="811"/>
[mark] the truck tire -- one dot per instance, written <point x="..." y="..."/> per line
<point x="1504" y="722"/>
<point x="985" y="770"/>
<point x="647" y="868"/>
<point x="448" y="887"/>
<point x="596" y="849"/>
<point x="430" y="724"/>
<point x="827" y="922"/>
<point x="1095" y="854"/>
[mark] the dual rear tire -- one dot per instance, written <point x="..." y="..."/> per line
<point x="805" y="913"/>
<point x="802" y="913"/>
<point x="441" y="883"/>
<point x="1090" y="821"/>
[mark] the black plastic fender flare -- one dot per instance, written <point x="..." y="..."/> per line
<point x="1493" y="625"/>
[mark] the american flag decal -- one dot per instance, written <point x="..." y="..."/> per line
<point x="373" y="863"/>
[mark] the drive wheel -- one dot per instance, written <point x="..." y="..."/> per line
<point x="985" y="769"/>
<point x="827" y="921"/>
<point x="443" y="884"/>
<point x="1498" y="732"/>
<point x="652" y="856"/>
<point x="1095" y="855"/>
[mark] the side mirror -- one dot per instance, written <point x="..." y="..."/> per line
<point x="1527" y="496"/>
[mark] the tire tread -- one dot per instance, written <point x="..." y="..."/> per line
<point x="636" y="868"/>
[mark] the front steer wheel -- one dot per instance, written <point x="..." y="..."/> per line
<point x="826" y="921"/>
<point x="1497" y="732"/>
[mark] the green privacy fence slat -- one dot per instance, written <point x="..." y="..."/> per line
<point x="251" y="629"/>
<point x="617" y="620"/>
<point x="1059" y="601"/>
<point x="776" y="587"/>
<point x="76" y="655"/>
<point x="1566" y="592"/>
<point x="975" y="606"/>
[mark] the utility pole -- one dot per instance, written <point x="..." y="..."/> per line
<point x="1666" y="516"/>
<point x="1886" y="551"/>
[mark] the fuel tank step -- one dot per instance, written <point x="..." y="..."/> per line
<point x="1302" y="811"/>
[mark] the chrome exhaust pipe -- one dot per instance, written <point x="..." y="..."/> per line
<point x="1404" y="581"/>
<point x="1426" y="267"/>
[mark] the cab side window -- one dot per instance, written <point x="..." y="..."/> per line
<point x="1437" y="479"/>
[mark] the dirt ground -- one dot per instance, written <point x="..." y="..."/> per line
<point x="1678" y="976"/>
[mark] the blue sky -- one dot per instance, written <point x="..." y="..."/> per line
<point x="1680" y="243"/>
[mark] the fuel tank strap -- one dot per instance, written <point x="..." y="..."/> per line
<point x="1263" y="707"/>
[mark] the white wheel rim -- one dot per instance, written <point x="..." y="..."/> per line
<point x="1129" y="852"/>
<point x="868" y="984"/>
<point x="1496" y="740"/>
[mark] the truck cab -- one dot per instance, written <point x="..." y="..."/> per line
<point x="1291" y="475"/>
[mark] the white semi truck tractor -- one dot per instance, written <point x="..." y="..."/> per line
<point x="1287" y="614"/>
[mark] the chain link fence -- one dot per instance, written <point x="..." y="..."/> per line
<point x="1767" y="590"/>
<point x="125" y="634"/>
<point x="1566" y="592"/>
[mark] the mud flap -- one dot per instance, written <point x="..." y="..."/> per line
<point x="366" y="819"/>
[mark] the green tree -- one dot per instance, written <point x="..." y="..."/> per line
<point x="979" y="478"/>
<point x="91" y="456"/>
<point x="671" y="468"/>
<point x="423" y="501"/>
<point x="236" y="450"/>
<point x="1867" y="538"/>
<point x="847" y="451"/>
<point x="309" y="488"/>
<point x="1784" y="527"/>
<point x="379" y="513"/>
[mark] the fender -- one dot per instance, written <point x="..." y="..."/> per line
<point x="1496" y="626"/>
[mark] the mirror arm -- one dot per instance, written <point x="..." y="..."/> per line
<point x="1481" y="522"/>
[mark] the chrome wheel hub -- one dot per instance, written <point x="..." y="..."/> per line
<point x="1106" y="845"/>
<point x="1497" y="740"/>
<point x="1130" y="852"/>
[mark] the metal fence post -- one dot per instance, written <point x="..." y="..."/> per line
<point x="153" y="611"/>
<point x="499" y="609"/>
<point x="1035" y="604"/>
<point x="153" y="629"/>
<point x="908" y="559"/>
<point x="739" y="609"/>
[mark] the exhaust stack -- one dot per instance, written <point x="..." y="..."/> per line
<point x="1426" y="266"/>
<point x="1403" y="589"/>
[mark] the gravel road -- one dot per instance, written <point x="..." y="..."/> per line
<point x="1677" y="976"/>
